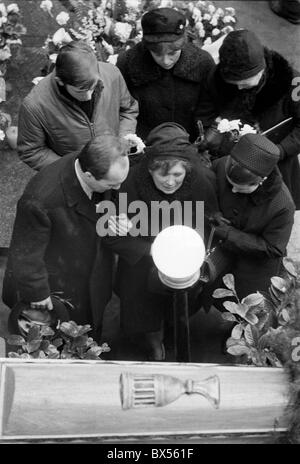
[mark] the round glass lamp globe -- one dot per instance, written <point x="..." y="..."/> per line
<point x="178" y="252"/>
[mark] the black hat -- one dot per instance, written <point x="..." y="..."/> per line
<point x="20" y="319"/>
<point x="170" y="140"/>
<point x="241" y="56"/>
<point x="256" y="153"/>
<point x="163" y="25"/>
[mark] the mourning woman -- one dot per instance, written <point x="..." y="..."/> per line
<point x="164" y="73"/>
<point x="168" y="172"/>
<point x="256" y="212"/>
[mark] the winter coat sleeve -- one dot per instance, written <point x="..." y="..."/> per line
<point x="30" y="239"/>
<point x="207" y="110"/>
<point x="129" y="109"/>
<point x="290" y="145"/>
<point x="271" y="243"/>
<point x="129" y="248"/>
<point x="32" y="144"/>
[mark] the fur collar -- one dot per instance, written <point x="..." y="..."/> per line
<point x="142" y="69"/>
<point x="252" y="102"/>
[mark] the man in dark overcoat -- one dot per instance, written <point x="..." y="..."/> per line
<point x="55" y="246"/>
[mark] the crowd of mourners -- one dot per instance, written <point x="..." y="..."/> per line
<point x="77" y="128"/>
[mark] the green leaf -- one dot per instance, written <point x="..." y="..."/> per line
<point x="228" y="280"/>
<point x="288" y="265"/>
<point x="274" y="361"/>
<point x="279" y="283"/>
<point x="83" y="329"/>
<point x="237" y="331"/>
<point x="69" y="328"/>
<point x="222" y="293"/>
<point x="44" y="345"/>
<point x="231" y="306"/>
<point x="13" y="354"/>
<point x="25" y="356"/>
<point x="33" y="345"/>
<point x="238" y="350"/>
<point x="229" y="317"/>
<point x="16" y="340"/>
<point x="47" y="331"/>
<point x="254" y="299"/>
<point x="233" y="341"/>
<point x="249" y="335"/>
<point x="80" y="341"/>
<point x="33" y="333"/>
<point x="242" y="309"/>
<point x="285" y="315"/>
<point x="57" y="342"/>
<point x="251" y="318"/>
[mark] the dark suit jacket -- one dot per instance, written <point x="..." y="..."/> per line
<point x="55" y="247"/>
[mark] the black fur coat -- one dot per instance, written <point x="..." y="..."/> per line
<point x="274" y="100"/>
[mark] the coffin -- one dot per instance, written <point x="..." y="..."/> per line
<point x="49" y="399"/>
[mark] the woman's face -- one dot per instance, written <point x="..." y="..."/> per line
<point x="170" y="182"/>
<point x="167" y="57"/>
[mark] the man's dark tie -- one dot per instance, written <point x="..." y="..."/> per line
<point x="96" y="197"/>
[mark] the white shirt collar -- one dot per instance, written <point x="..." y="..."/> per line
<point x="87" y="190"/>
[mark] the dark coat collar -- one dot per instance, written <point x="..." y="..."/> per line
<point x="142" y="69"/>
<point x="74" y="195"/>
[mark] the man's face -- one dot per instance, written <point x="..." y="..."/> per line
<point x="82" y="94"/>
<point x="87" y="72"/>
<point x="248" y="83"/>
<point x="115" y="176"/>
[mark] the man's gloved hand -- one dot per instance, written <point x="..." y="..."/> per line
<point x="217" y="219"/>
<point x="222" y="231"/>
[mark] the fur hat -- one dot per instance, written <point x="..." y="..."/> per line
<point x="163" y="25"/>
<point x="170" y="140"/>
<point x="241" y="56"/>
<point x="256" y="153"/>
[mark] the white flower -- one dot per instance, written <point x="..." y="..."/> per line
<point x="2" y="135"/>
<point x="211" y="9"/>
<point x="214" y="20"/>
<point x="53" y="57"/>
<point x="223" y="126"/>
<point x="3" y="9"/>
<point x="207" y="41"/>
<point x="5" y="53"/>
<point x="196" y="15"/>
<point x="122" y="31"/>
<point x="219" y="12"/>
<point x="234" y="124"/>
<point x="207" y="17"/>
<point x="135" y="141"/>
<point x="246" y="129"/>
<point x="62" y="18"/>
<point x="166" y="4"/>
<point x="227" y="29"/>
<point x="36" y="80"/>
<point x="134" y="4"/>
<point x="215" y="31"/>
<point x="47" y="6"/>
<point x="112" y="59"/>
<point x="200" y="28"/>
<point x="228" y="19"/>
<point x="191" y="6"/>
<point x="3" y="19"/>
<point x="230" y="11"/>
<point x="61" y="37"/>
<point x="109" y="48"/>
<point x="13" y="8"/>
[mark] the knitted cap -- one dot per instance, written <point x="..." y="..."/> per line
<point x="163" y="25"/>
<point x="256" y="153"/>
<point x="170" y="140"/>
<point x="241" y="56"/>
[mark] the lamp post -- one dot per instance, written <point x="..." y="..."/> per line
<point x="178" y="253"/>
